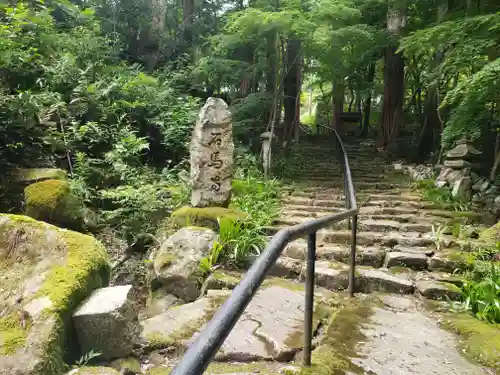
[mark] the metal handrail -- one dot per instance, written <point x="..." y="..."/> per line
<point x="203" y="349"/>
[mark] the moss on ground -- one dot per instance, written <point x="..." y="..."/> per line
<point x="221" y="279"/>
<point x="266" y="368"/>
<point x="206" y="217"/>
<point x="52" y="201"/>
<point x="159" y="371"/>
<point x="342" y="334"/>
<point x="480" y="340"/>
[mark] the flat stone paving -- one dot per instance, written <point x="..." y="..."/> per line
<point x="269" y="327"/>
<point x="402" y="340"/>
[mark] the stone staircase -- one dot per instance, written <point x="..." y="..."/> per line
<point x="396" y="250"/>
<point x="387" y="329"/>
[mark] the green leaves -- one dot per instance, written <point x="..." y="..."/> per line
<point x="482" y="297"/>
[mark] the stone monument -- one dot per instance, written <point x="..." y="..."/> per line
<point x="211" y="153"/>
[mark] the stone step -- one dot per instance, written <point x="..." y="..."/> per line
<point x="416" y="258"/>
<point x="321" y="193"/>
<point x="365" y="255"/>
<point x="335" y="276"/>
<point x="364" y="224"/>
<point x="367" y="211"/>
<point x="313" y="213"/>
<point x="357" y="185"/>
<point x="389" y="239"/>
<point x="334" y="202"/>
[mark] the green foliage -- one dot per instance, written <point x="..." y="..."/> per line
<point x="86" y="359"/>
<point x="466" y="74"/>
<point x="240" y="240"/>
<point x="289" y="163"/>
<point x="208" y="263"/>
<point x="441" y="197"/>
<point x="64" y="93"/>
<point x="482" y="294"/>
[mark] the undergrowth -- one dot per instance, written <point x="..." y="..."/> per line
<point x="481" y="286"/>
<point x="441" y="197"/>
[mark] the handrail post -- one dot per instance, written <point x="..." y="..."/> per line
<point x="309" y="305"/>
<point x="352" y="260"/>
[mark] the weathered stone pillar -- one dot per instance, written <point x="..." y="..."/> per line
<point x="266" y="151"/>
<point x="211" y="152"/>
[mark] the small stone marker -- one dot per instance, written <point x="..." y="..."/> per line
<point x="266" y="150"/>
<point x="211" y="152"/>
<point x="107" y="323"/>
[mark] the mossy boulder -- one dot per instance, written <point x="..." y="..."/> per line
<point x="53" y="202"/>
<point x="176" y="264"/>
<point x="45" y="273"/>
<point x="206" y="217"/>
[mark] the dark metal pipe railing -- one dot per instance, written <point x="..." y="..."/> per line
<point x="203" y="350"/>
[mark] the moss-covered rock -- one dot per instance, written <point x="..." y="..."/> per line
<point x="451" y="260"/>
<point x="176" y="264"/>
<point x="123" y="364"/>
<point x="45" y="273"/>
<point x="206" y="217"/>
<point x="53" y="202"/>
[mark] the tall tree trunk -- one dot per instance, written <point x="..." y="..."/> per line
<point x="291" y="86"/>
<point x="187" y="20"/>
<point x="271" y="74"/>
<point x="430" y="135"/>
<point x="358" y="109"/>
<point x="151" y="37"/>
<point x="368" y="101"/>
<point x="337" y="103"/>
<point x="392" y="110"/>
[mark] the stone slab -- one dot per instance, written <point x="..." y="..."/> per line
<point x="173" y="323"/>
<point x="370" y="280"/>
<point x="403" y="259"/>
<point x="438" y="290"/>
<point x="401" y="339"/>
<point x="107" y="323"/>
<point x="270" y="327"/>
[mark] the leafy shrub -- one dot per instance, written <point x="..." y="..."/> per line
<point x="441" y="196"/>
<point x="241" y="240"/>
<point x="481" y="292"/>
